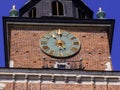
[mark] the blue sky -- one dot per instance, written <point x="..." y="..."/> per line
<point x="111" y="7"/>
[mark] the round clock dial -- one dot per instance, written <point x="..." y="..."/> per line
<point x="59" y="43"/>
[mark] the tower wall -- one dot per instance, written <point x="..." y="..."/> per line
<point x="25" y="51"/>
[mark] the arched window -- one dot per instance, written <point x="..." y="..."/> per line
<point x="32" y="12"/>
<point x="57" y="8"/>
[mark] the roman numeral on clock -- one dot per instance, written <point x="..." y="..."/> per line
<point x="51" y="52"/>
<point x="73" y="38"/>
<point x="76" y="43"/>
<point x="46" y="48"/>
<point x="74" y="49"/>
<point x="43" y="42"/>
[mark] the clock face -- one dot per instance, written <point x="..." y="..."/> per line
<point x="59" y="43"/>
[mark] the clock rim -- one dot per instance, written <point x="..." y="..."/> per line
<point x="68" y="56"/>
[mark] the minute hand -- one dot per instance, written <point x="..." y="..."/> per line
<point x="59" y="33"/>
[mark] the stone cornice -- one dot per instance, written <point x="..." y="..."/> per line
<point x="60" y="76"/>
<point x="60" y="71"/>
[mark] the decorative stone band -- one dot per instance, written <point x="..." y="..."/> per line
<point x="60" y="76"/>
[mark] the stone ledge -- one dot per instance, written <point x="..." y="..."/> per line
<point x="60" y="71"/>
<point x="60" y="76"/>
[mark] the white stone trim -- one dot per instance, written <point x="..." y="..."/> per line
<point x="87" y="82"/>
<point x="2" y="86"/>
<point x="114" y="83"/>
<point x="60" y="82"/>
<point x="11" y="63"/>
<point x="33" y="81"/>
<point x="47" y="82"/>
<point x="62" y="78"/>
<point x="101" y="83"/>
<point x="108" y="66"/>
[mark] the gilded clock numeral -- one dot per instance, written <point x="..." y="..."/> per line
<point x="47" y="36"/>
<point x="74" y="49"/>
<point x="43" y="39"/>
<point x="76" y="43"/>
<point x="51" y="33"/>
<point x="60" y="54"/>
<point x="57" y="53"/>
<point x="51" y="52"/>
<point x="68" y="53"/>
<point x="70" y="35"/>
<point x="46" y="48"/>
<point x="73" y="38"/>
<point x="65" y="33"/>
<point x="43" y="42"/>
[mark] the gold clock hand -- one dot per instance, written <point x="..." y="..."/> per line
<point x="53" y="36"/>
<point x="59" y="33"/>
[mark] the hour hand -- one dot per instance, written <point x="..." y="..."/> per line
<point x="54" y="36"/>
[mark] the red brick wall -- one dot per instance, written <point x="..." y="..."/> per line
<point x="38" y="86"/>
<point x="101" y="87"/>
<point x="9" y="86"/>
<point x="114" y="87"/>
<point x="26" y="53"/>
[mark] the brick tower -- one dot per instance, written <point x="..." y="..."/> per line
<point x="57" y="45"/>
<point x="89" y="40"/>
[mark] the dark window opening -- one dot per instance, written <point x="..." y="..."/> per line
<point x="32" y="13"/>
<point x="81" y="14"/>
<point x="57" y="8"/>
<point x="61" y="66"/>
